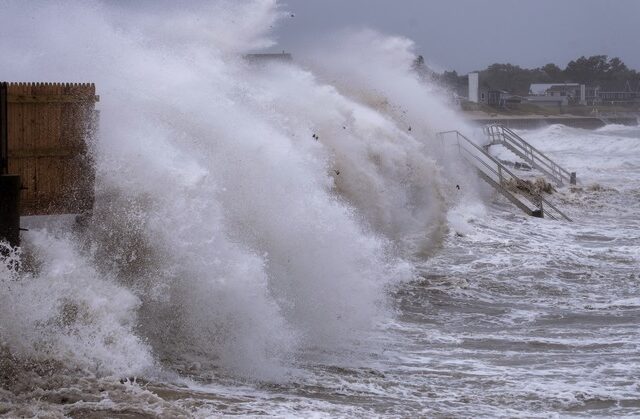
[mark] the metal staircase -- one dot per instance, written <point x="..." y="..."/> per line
<point x="502" y="179"/>
<point x="499" y="134"/>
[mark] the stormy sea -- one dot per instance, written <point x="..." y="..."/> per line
<point x="292" y="238"/>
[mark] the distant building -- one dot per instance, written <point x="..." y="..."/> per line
<point x="554" y="89"/>
<point x="548" y="101"/>
<point x="477" y="93"/>
<point x="483" y="95"/>
<point x="612" y="94"/>
<point x="573" y="92"/>
<point x="503" y="99"/>
<point x="265" y="58"/>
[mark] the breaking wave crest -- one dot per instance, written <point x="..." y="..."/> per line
<point x="243" y="213"/>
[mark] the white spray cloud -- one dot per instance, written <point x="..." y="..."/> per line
<point x="243" y="214"/>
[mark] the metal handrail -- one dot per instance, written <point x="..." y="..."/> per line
<point x="499" y="134"/>
<point x="543" y="157"/>
<point x="537" y="200"/>
<point x="533" y="199"/>
<point x="487" y="155"/>
<point x="530" y="152"/>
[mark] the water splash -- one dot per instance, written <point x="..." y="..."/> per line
<point x="242" y="214"/>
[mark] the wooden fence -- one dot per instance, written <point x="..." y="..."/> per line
<point x="49" y="127"/>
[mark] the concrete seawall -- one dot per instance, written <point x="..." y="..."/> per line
<point x="529" y="122"/>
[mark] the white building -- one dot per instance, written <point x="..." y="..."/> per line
<point x="473" y="87"/>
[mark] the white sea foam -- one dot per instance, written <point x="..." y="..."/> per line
<point x="224" y="234"/>
<point x="63" y="310"/>
<point x="617" y="142"/>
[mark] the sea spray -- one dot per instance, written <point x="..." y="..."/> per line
<point x="58" y="308"/>
<point x="374" y="165"/>
<point x="378" y="70"/>
<point x="242" y="215"/>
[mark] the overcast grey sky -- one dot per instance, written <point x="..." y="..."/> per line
<point x="468" y="35"/>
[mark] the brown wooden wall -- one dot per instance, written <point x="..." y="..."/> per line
<point x="50" y="126"/>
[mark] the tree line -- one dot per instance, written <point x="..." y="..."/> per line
<point x="598" y="70"/>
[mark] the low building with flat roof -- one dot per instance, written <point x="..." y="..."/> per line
<point x="548" y="101"/>
<point x="574" y="92"/>
<point x="554" y="89"/>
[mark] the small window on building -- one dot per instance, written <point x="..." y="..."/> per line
<point x="483" y="96"/>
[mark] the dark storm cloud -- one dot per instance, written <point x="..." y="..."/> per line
<point x="466" y="35"/>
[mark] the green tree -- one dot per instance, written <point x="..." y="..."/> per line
<point x="507" y="77"/>
<point x="586" y="70"/>
<point x="597" y="70"/>
<point x="552" y="73"/>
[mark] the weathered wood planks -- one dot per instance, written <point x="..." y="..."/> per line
<point x="50" y="126"/>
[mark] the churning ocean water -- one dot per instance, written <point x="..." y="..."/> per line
<point x="287" y="239"/>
